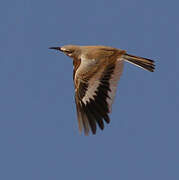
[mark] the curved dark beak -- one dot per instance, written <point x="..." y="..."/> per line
<point x="56" y="48"/>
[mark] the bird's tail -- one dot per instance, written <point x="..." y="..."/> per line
<point x="141" y="62"/>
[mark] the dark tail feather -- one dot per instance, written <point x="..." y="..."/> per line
<point x="144" y="63"/>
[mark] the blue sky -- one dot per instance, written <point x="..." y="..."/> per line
<point x="39" y="138"/>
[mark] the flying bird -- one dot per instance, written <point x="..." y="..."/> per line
<point x="97" y="70"/>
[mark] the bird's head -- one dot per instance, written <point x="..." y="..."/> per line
<point x="69" y="50"/>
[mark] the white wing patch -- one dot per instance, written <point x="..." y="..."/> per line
<point x="113" y="82"/>
<point x="93" y="84"/>
<point x="85" y="66"/>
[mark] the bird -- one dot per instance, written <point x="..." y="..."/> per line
<point x="96" y="72"/>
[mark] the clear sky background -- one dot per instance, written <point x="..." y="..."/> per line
<point x="39" y="138"/>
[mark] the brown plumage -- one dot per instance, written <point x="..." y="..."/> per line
<point x="97" y="70"/>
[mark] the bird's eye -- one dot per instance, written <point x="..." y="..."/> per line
<point x="67" y="51"/>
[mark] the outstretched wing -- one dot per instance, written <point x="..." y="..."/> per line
<point x="95" y="89"/>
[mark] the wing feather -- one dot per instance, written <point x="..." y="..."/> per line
<point x="95" y="89"/>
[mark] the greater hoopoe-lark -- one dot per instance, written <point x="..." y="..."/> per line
<point x="97" y="70"/>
